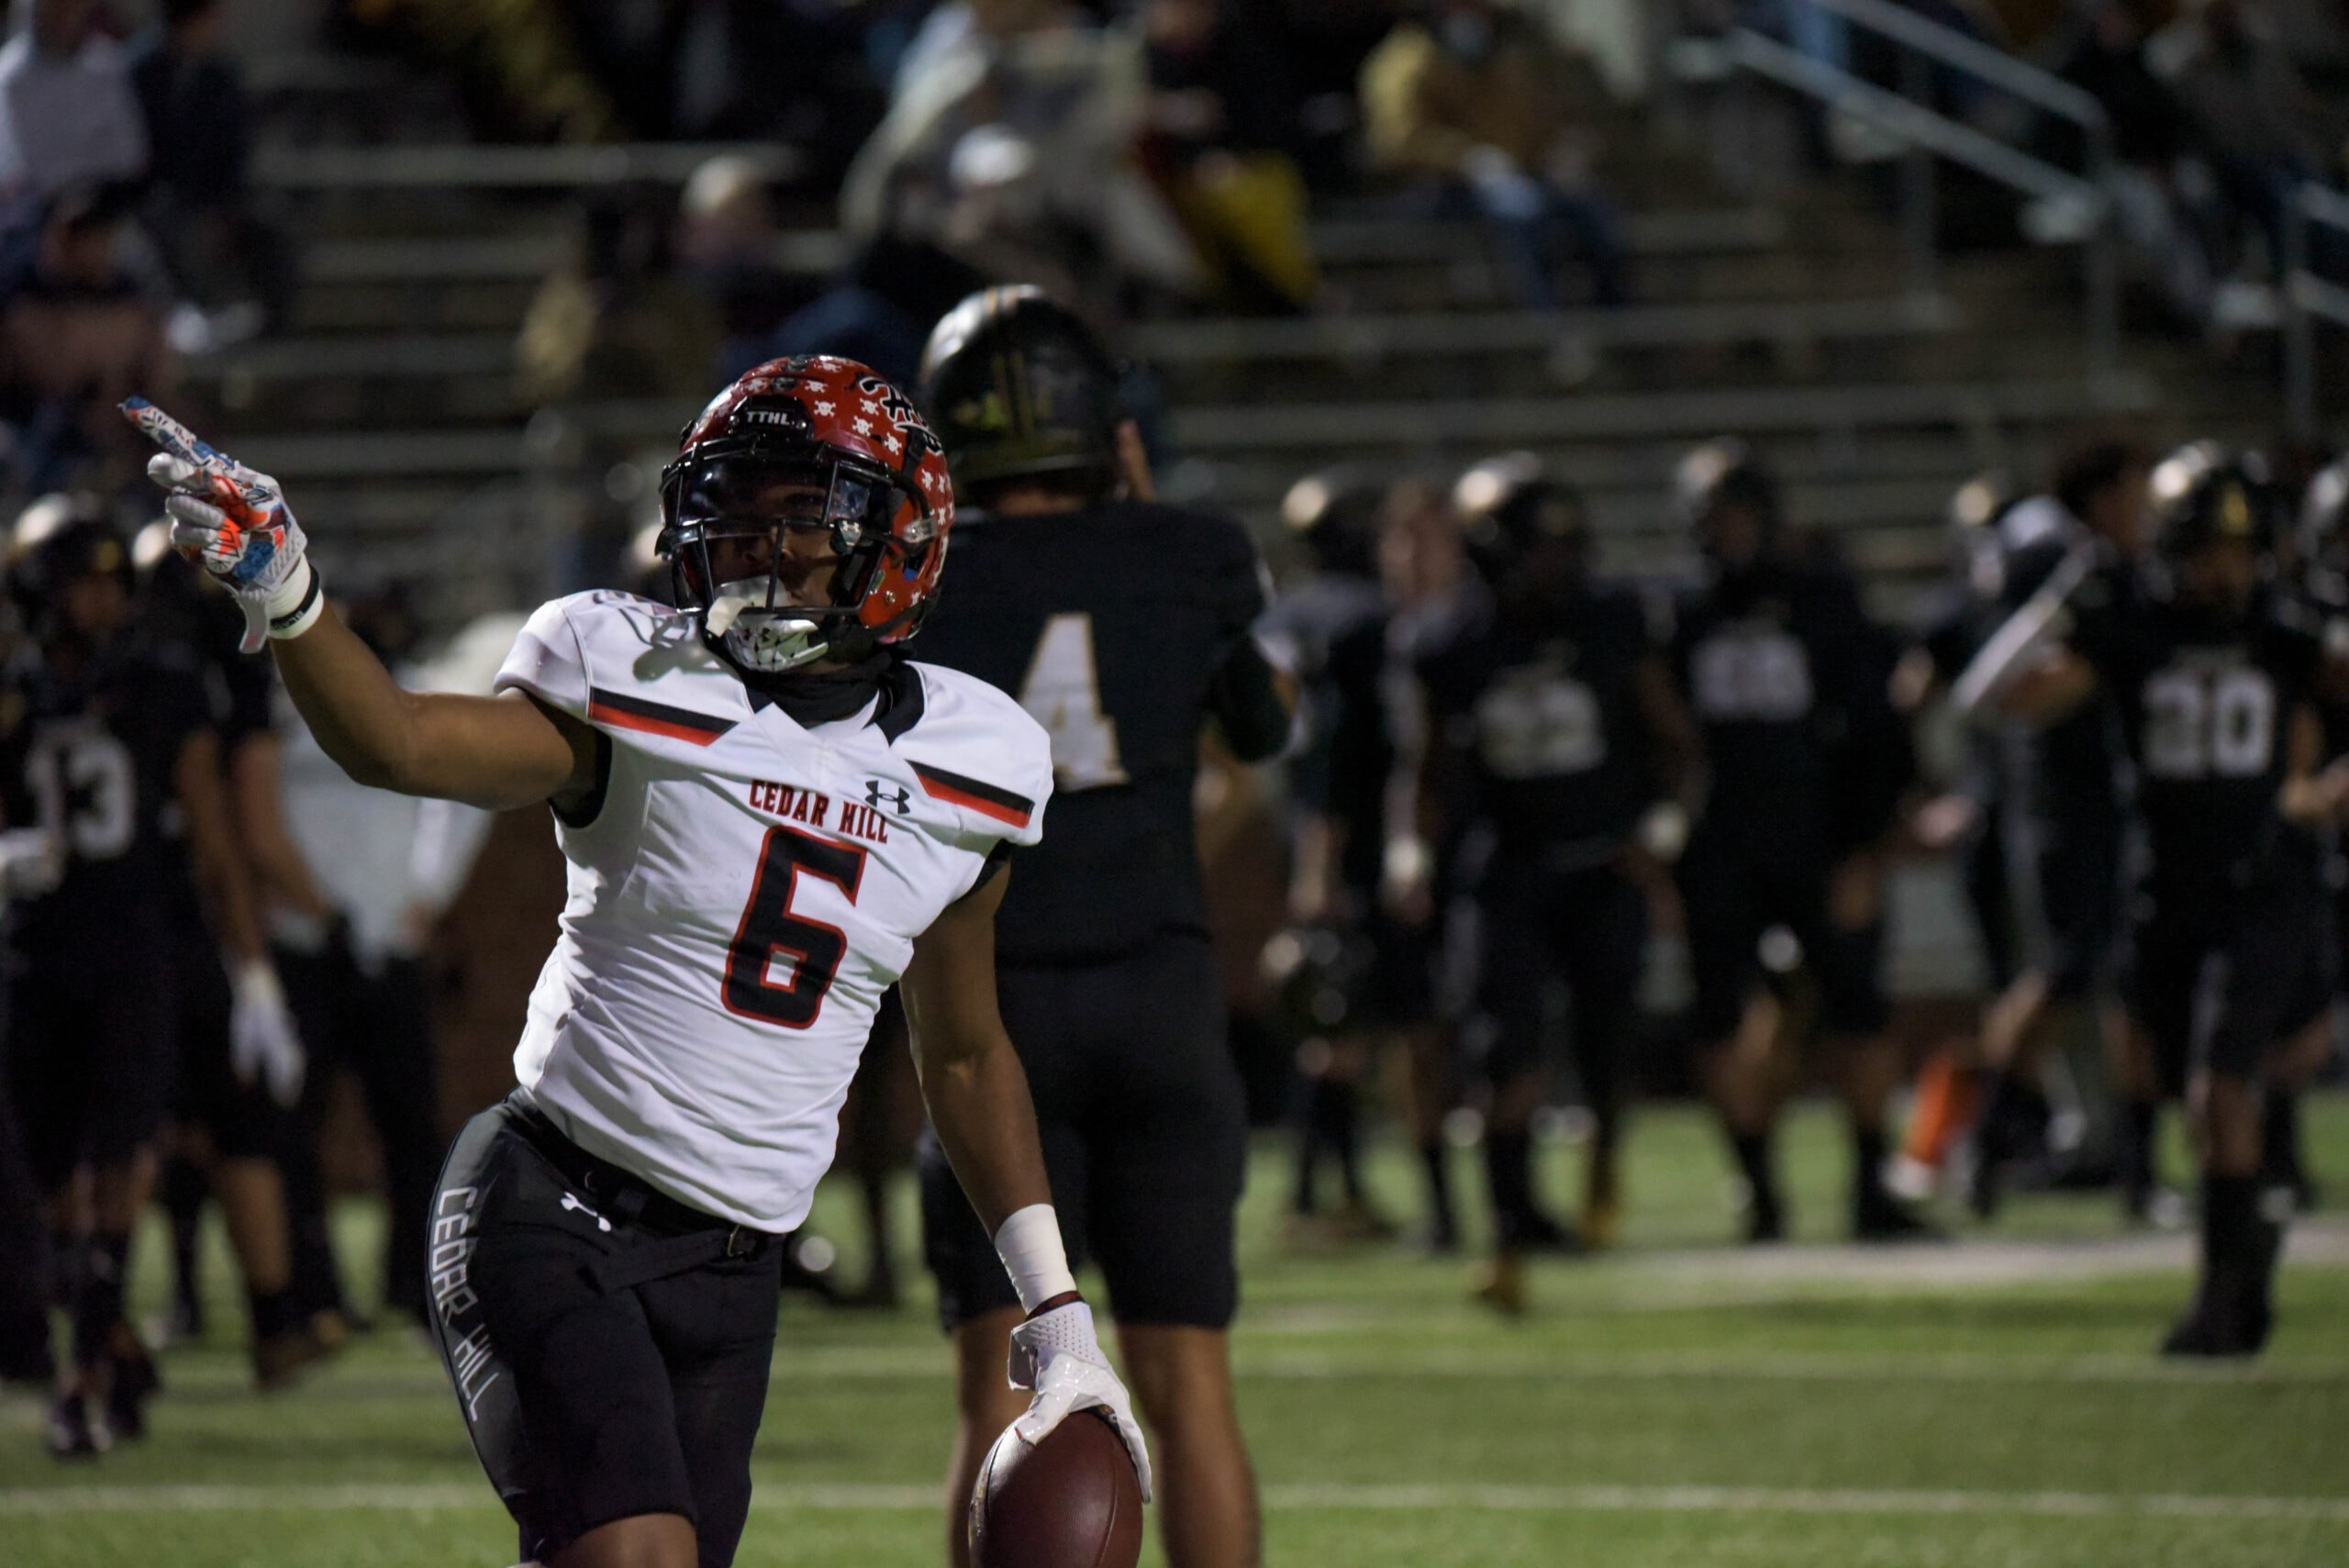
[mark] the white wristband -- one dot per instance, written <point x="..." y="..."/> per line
<point x="297" y="604"/>
<point x="1029" y="1245"/>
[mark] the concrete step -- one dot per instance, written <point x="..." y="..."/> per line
<point x="1342" y="427"/>
<point x="482" y="167"/>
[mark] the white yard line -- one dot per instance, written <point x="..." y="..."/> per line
<point x="861" y="1498"/>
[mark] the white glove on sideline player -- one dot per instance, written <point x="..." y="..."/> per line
<point x="32" y="863"/>
<point x="262" y="1040"/>
<point x="1056" y="1355"/>
<point x="236" y="523"/>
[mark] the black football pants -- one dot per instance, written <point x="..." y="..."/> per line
<point x="380" y="1026"/>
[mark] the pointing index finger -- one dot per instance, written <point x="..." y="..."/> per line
<point x="171" y="435"/>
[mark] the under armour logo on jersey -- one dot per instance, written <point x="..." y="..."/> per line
<point x="878" y="794"/>
<point x="570" y="1203"/>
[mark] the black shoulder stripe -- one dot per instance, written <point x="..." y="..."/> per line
<point x="654" y="719"/>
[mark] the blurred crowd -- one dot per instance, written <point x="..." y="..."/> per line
<point x="2216" y="112"/>
<point x="127" y="235"/>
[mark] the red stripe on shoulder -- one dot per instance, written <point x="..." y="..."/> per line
<point x="654" y="719"/>
<point x="974" y="794"/>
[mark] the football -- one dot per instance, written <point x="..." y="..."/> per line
<point x="1073" y="1501"/>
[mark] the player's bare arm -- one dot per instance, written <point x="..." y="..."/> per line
<point x="971" y="1077"/>
<point x="196" y="781"/>
<point x="260" y="812"/>
<point x="495" y="753"/>
<point x="2053" y="684"/>
<point x="2312" y="795"/>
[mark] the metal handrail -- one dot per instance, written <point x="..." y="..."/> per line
<point x="2308" y="297"/>
<point x="1909" y="121"/>
<point x="1926" y="131"/>
<point x="1921" y="39"/>
<point x="2017" y="77"/>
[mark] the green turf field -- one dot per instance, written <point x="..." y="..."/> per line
<point x="1679" y="1403"/>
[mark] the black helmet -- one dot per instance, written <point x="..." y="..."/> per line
<point x="1723" y="472"/>
<point x="1536" y="513"/>
<point x="1971" y="525"/>
<point x="2324" y="517"/>
<point x="1335" y="514"/>
<point x="1483" y="487"/>
<point x="56" y="551"/>
<point x="2203" y="494"/>
<point x="1017" y="387"/>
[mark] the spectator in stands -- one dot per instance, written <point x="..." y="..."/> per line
<point x="728" y="248"/>
<point x="2262" y="130"/>
<point x="2107" y="61"/>
<point x="1323" y="43"/>
<point x="77" y="335"/>
<point x="67" y="116"/>
<point x="1479" y="97"/>
<point x="1012" y="147"/>
<point x="198" y="209"/>
<point x="1222" y="142"/>
<point x="617" y="322"/>
<point x="878" y="313"/>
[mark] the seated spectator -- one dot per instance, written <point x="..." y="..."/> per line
<point x="77" y="335"/>
<point x="1013" y="148"/>
<point x="726" y="246"/>
<point x="1478" y="97"/>
<point x="879" y="313"/>
<point x="1222" y="141"/>
<point x="2262" y="130"/>
<point x="199" y="212"/>
<point x="615" y="322"/>
<point x="67" y="116"/>
<point x="2107" y="61"/>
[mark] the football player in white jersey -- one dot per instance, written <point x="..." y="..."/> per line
<point x="770" y="818"/>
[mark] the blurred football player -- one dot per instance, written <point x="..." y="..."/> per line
<point x="1553" y="724"/>
<point x="771" y="817"/>
<point x="362" y="876"/>
<point x="1122" y="627"/>
<point x="107" y="746"/>
<point x="2067" y="830"/>
<point x="228" y="1138"/>
<point x="1790" y="684"/>
<point x="1968" y="816"/>
<point x="1347" y="973"/>
<point x="2214" y="676"/>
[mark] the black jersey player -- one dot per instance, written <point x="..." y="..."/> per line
<point x="230" y="1138"/>
<point x="2214" y="677"/>
<point x="2067" y="835"/>
<point x="1357" y="972"/>
<point x="107" y="744"/>
<point x="1107" y="977"/>
<point x="1553" y="724"/>
<point x="1788" y="682"/>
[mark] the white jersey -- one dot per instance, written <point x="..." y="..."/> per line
<point x="742" y="894"/>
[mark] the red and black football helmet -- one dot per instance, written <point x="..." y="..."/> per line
<point x="805" y="446"/>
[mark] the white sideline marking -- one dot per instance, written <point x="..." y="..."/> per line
<point x="856" y="1497"/>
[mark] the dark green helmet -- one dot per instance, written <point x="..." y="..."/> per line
<point x="1017" y="387"/>
<point x="2204" y="494"/>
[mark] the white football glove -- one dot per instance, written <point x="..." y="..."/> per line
<point x="32" y="863"/>
<point x="262" y="1040"/>
<point x="236" y="523"/>
<point x="1056" y="1355"/>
